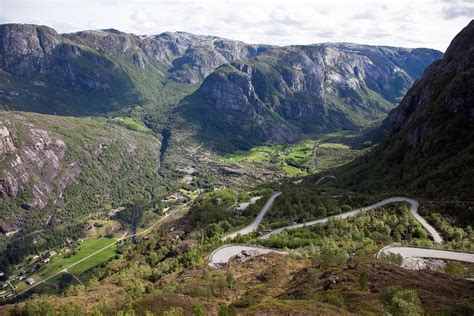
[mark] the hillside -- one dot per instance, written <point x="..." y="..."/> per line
<point x="95" y="72"/>
<point x="291" y="91"/>
<point x="428" y="140"/>
<point x="56" y="171"/>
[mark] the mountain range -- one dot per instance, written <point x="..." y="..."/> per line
<point x="251" y="93"/>
<point x="127" y="139"/>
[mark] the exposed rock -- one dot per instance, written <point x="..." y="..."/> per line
<point x="290" y="91"/>
<point x="6" y="142"/>
<point x="423" y="264"/>
<point x="427" y="141"/>
<point x="228" y="171"/>
<point x="37" y="161"/>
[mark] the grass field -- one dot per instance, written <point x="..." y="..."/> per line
<point x="297" y="159"/>
<point x="86" y="248"/>
<point x="130" y="123"/>
<point x="334" y="146"/>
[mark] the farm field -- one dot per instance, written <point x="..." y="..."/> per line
<point x="297" y="159"/>
<point x="87" y="247"/>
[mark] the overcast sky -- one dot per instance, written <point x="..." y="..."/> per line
<point x="406" y="23"/>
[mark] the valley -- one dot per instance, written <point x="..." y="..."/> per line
<point x="180" y="174"/>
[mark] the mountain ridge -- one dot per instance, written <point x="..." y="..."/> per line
<point x="427" y="141"/>
<point x="299" y="90"/>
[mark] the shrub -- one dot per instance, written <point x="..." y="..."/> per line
<point x="401" y="302"/>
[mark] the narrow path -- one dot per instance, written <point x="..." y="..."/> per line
<point x="75" y="277"/>
<point x="330" y="176"/>
<point x="254" y="225"/>
<point x="108" y="246"/>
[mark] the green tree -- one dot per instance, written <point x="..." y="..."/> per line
<point x="39" y="307"/>
<point x="363" y="283"/>
<point x="199" y="310"/>
<point x="230" y="280"/>
<point x="401" y="302"/>
<point x="225" y="310"/>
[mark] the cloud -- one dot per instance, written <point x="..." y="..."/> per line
<point x="453" y="12"/>
<point x="429" y="23"/>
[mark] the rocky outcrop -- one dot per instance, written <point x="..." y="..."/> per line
<point x="291" y="91"/>
<point x="446" y="87"/>
<point x="188" y="57"/>
<point x="104" y="70"/>
<point x="427" y="141"/>
<point x="6" y="142"/>
<point x="37" y="163"/>
<point x="53" y="166"/>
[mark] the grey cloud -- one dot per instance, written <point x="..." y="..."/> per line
<point x="456" y="11"/>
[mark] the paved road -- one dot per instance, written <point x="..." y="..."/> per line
<point x="254" y="225"/>
<point x="324" y="178"/>
<point x="409" y="252"/>
<point x="223" y="254"/>
<point x="413" y="210"/>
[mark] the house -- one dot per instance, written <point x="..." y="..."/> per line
<point x="30" y="281"/>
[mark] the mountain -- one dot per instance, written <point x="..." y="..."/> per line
<point x="56" y="171"/>
<point x="100" y="71"/>
<point x="427" y="142"/>
<point x="291" y="91"/>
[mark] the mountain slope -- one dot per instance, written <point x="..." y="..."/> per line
<point x="105" y="70"/>
<point x="56" y="171"/>
<point x="296" y="90"/>
<point x="428" y="140"/>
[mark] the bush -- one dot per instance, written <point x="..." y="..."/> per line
<point x="401" y="302"/>
<point x="336" y="300"/>
<point x="199" y="310"/>
<point x="363" y="283"/>
<point x="392" y="258"/>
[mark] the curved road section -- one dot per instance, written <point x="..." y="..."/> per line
<point x="410" y="252"/>
<point x="413" y="210"/>
<point x="254" y="225"/>
<point x="223" y="254"/>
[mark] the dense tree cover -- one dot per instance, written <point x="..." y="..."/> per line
<point x="379" y="226"/>
<point x="428" y="140"/>
<point x="109" y="177"/>
<point x="53" y="236"/>
<point x="132" y="216"/>
<point x="212" y="207"/>
<point x="299" y="205"/>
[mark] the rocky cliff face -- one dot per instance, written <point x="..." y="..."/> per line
<point x="428" y="139"/>
<point x="51" y="167"/>
<point x="38" y="161"/>
<point x="103" y="70"/>
<point x="310" y="89"/>
<point x="189" y="58"/>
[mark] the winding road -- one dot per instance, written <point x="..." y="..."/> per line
<point x="410" y="252"/>
<point x="223" y="254"/>
<point x="413" y="210"/>
<point x="254" y="225"/>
